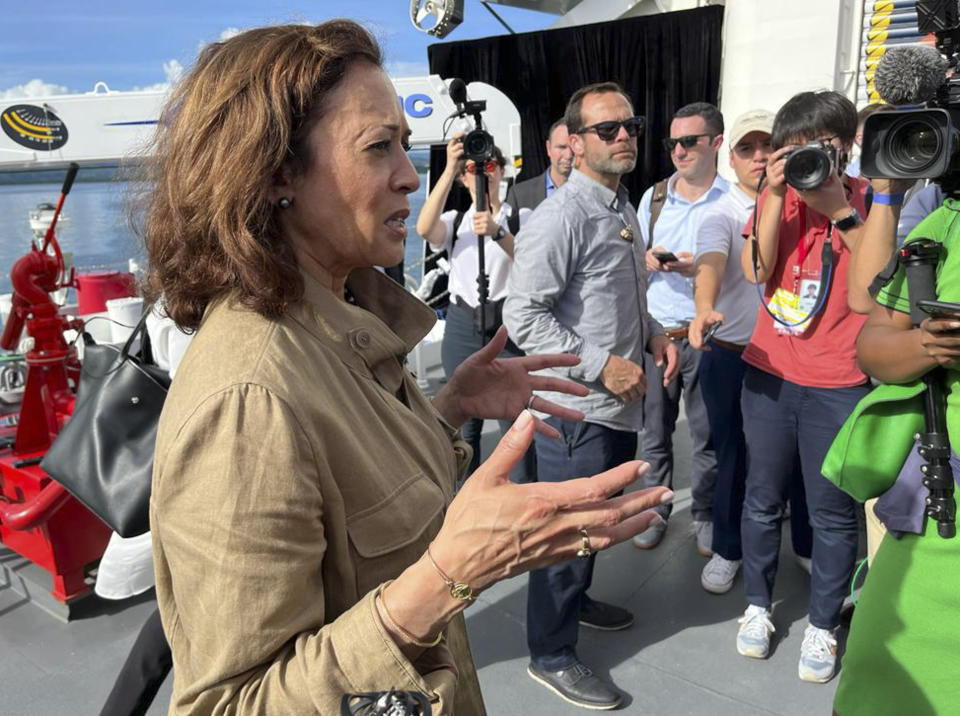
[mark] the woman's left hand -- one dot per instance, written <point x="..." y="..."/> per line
<point x="484" y="224"/>
<point x="828" y="199"/>
<point x="485" y="386"/>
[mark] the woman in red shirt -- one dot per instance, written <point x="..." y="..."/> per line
<point x="802" y="379"/>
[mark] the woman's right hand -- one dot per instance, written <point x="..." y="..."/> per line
<point x="940" y="338"/>
<point x="455" y="154"/>
<point x="775" y="178"/>
<point x="495" y="529"/>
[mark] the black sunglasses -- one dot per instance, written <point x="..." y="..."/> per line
<point x="608" y="131"/>
<point x="669" y="143"/>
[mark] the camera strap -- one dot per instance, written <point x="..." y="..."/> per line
<point x="823" y="290"/>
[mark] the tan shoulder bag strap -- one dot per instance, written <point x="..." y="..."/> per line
<point x="656" y="205"/>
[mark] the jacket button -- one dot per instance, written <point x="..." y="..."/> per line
<point x="363" y="339"/>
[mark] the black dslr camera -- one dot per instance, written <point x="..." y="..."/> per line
<point x="919" y="143"/>
<point x="478" y="144"/>
<point x="385" y="703"/>
<point x="809" y="166"/>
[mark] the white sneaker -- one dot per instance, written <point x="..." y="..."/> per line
<point x="703" y="531"/>
<point x="818" y="655"/>
<point x="753" y="639"/>
<point x="718" y="575"/>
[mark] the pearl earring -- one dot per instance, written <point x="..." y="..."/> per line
<point x="284" y="202"/>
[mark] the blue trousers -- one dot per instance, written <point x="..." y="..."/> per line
<point x="460" y="341"/>
<point x="556" y="592"/>
<point x="783" y="420"/>
<point x="721" y="382"/>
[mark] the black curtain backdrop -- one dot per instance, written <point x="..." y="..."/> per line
<point x="663" y="61"/>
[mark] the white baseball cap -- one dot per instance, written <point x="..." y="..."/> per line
<point x="755" y="120"/>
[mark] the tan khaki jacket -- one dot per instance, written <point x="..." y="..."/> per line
<point x="298" y="467"/>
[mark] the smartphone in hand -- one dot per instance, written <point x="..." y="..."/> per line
<point x="665" y="256"/>
<point x="940" y="309"/>
<point x="712" y="331"/>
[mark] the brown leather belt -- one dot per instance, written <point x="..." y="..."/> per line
<point x="726" y="345"/>
<point x="676" y="333"/>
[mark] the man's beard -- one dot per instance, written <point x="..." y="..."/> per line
<point x="612" y="165"/>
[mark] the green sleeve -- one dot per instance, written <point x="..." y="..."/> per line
<point x="940" y="225"/>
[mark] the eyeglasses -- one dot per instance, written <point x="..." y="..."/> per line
<point x="687" y="142"/>
<point x="489" y="167"/>
<point x="608" y="131"/>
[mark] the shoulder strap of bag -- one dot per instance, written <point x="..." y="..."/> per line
<point x="140" y="328"/>
<point x="513" y="221"/>
<point x="656" y="206"/>
<point x="886" y="274"/>
<point x="456" y="227"/>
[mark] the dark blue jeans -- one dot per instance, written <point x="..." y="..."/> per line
<point x="460" y="341"/>
<point x="782" y="420"/>
<point x="556" y="592"/>
<point x="721" y="381"/>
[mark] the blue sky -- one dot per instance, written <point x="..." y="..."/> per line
<point x="69" y="46"/>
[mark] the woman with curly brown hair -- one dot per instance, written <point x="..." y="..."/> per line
<point x="307" y="540"/>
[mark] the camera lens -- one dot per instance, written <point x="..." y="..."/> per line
<point x="913" y="144"/>
<point x="478" y="145"/>
<point x="807" y="168"/>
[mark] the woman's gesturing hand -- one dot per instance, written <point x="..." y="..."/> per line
<point x="495" y="529"/>
<point x="485" y="386"/>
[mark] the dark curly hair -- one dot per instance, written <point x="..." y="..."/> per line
<point x="243" y="112"/>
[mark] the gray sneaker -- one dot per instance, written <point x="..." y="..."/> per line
<point x="703" y="531"/>
<point x="718" y="574"/>
<point x="650" y="537"/>
<point x="753" y="639"/>
<point x="818" y="655"/>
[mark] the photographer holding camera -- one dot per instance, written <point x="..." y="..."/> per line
<point x="458" y="233"/>
<point x="802" y="378"/>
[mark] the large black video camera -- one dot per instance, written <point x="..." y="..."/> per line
<point x="919" y="143"/>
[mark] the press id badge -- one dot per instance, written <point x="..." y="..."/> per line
<point x="794" y="312"/>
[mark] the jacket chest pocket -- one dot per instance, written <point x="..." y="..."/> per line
<point x="392" y="534"/>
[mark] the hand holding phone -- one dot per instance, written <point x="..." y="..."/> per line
<point x="712" y="331"/>
<point x="940" y="309"/>
<point x="665" y="256"/>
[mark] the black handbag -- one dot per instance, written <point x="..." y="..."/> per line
<point x="104" y="454"/>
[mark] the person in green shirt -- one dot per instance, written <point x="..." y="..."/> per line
<point x="902" y="653"/>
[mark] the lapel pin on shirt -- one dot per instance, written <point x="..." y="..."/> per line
<point x="626" y="233"/>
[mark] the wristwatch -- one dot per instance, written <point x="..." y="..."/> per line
<point x="501" y="232"/>
<point x="848" y="222"/>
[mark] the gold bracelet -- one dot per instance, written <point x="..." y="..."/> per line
<point x="458" y="590"/>
<point x="407" y="635"/>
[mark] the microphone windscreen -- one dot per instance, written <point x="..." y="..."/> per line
<point x="458" y="91"/>
<point x="910" y="74"/>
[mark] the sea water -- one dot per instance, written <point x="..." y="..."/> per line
<point x="97" y="230"/>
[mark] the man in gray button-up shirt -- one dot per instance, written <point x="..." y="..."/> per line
<point x="578" y="285"/>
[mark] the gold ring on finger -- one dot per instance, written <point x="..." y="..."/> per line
<point x="530" y="402"/>
<point x="586" y="549"/>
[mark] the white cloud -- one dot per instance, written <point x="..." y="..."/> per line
<point x="229" y="32"/>
<point x="33" y="88"/>
<point x="172" y="70"/>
